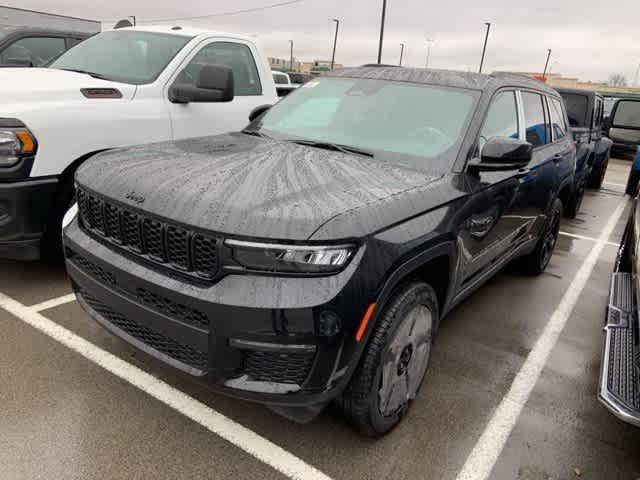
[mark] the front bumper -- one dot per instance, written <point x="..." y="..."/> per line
<point x="252" y="337"/>
<point x="619" y="387"/>
<point x="24" y="209"/>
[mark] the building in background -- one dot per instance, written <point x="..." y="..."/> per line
<point x="17" y="17"/>
<point x="557" y="80"/>
<point x="317" y="66"/>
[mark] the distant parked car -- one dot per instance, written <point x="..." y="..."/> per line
<point x="299" y="79"/>
<point x="310" y="257"/>
<point x="28" y="47"/>
<point x="619" y="388"/>
<point x="585" y="110"/>
<point x="623" y="126"/>
<point x="283" y="83"/>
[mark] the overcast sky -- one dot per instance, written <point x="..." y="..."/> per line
<point x="590" y="39"/>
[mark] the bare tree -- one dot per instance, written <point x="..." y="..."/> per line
<point x="617" y="80"/>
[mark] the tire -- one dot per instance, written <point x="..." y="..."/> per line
<point x="51" y="246"/>
<point x="574" y="202"/>
<point x="395" y="361"/>
<point x="597" y="175"/>
<point x="632" y="183"/>
<point x="536" y="262"/>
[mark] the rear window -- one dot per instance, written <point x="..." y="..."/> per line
<point x="577" y="106"/>
<point x="280" y="79"/>
<point x="627" y="114"/>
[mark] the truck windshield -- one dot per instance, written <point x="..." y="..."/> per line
<point x="627" y="114"/>
<point x="123" y="56"/>
<point x="577" y="106"/>
<point x="421" y="125"/>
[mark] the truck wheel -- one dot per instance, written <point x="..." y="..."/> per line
<point x="597" y="175"/>
<point x="536" y="262"/>
<point x="395" y="361"/>
<point x="574" y="202"/>
<point x="632" y="183"/>
<point x="51" y="246"/>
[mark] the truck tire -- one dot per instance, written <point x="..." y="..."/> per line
<point x="51" y="246"/>
<point x="394" y="362"/>
<point x="632" y="183"/>
<point x="597" y="174"/>
<point x="536" y="262"/>
<point x="575" y="201"/>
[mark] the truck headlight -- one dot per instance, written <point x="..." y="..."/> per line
<point x="276" y="258"/>
<point x="14" y="144"/>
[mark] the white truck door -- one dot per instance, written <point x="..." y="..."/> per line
<point x="201" y="119"/>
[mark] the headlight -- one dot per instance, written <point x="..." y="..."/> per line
<point x="15" y="143"/>
<point x="269" y="257"/>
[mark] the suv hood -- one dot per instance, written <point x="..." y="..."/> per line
<point x="240" y="185"/>
<point x="38" y="85"/>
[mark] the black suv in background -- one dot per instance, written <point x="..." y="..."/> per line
<point x="585" y="111"/>
<point x="29" y="47"/>
<point x="312" y="256"/>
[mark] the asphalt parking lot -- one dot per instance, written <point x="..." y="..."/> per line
<point x="492" y="402"/>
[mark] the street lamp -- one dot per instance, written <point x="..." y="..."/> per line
<point x="484" y="48"/>
<point x="401" y="53"/>
<point x="546" y="65"/>
<point x="335" y="42"/>
<point x="291" y="65"/>
<point x="429" y="42"/>
<point x="384" y="13"/>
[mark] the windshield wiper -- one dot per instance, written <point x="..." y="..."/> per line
<point x="255" y="133"/>
<point x="91" y="74"/>
<point x="334" y="146"/>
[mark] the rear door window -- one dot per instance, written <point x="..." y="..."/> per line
<point x="627" y="114"/>
<point x="534" y="119"/>
<point x="33" y="51"/>
<point x="558" y="125"/>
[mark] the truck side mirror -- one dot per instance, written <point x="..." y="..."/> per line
<point x="214" y="84"/>
<point x="503" y="154"/>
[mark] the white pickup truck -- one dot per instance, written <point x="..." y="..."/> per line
<point x="118" y="88"/>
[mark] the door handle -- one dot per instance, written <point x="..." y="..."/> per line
<point x="523" y="172"/>
<point x="557" y="157"/>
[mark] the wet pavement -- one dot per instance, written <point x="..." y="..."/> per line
<point x="65" y="417"/>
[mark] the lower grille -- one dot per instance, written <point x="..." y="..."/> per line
<point x="173" y="309"/>
<point x="94" y="270"/>
<point x="292" y="368"/>
<point x="184" y="354"/>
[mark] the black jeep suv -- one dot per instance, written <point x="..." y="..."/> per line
<point x="311" y="257"/>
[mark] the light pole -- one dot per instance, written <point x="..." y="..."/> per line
<point x="484" y="48"/>
<point x="546" y="65"/>
<point x="291" y="64"/>
<point x="384" y="14"/>
<point x="401" y="53"/>
<point x="429" y="42"/>
<point x="335" y="42"/>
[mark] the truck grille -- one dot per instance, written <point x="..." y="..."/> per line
<point x="161" y="243"/>
<point x="183" y="354"/>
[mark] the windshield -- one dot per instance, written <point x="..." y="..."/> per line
<point x="577" y="106"/>
<point x="123" y="56"/>
<point x="627" y="114"/>
<point x="422" y="125"/>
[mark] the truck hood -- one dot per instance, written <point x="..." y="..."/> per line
<point x="240" y="185"/>
<point x="38" y="85"/>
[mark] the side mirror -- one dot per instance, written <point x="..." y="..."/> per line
<point x="259" y="110"/>
<point x="214" y="84"/>
<point x="502" y="153"/>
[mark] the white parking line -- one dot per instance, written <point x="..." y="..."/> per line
<point x="615" y="184"/>
<point x="55" y="302"/>
<point x="240" y="436"/>
<point x="486" y="451"/>
<point x="582" y="237"/>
